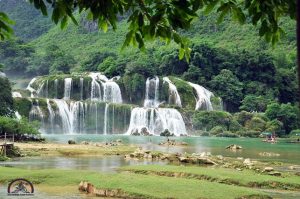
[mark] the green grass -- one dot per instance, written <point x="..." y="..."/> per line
<point x="243" y="178"/>
<point x="133" y="184"/>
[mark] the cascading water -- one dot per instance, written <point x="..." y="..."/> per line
<point x="56" y="88"/>
<point x="81" y="88"/>
<point x="16" y="94"/>
<point x="174" y="97"/>
<point x="32" y="90"/>
<point x="51" y="114"/>
<point x="100" y="110"/>
<point x="151" y="98"/>
<point x="68" y="88"/>
<point x="105" y="118"/>
<point x="203" y="97"/>
<point x="95" y="87"/>
<point x="112" y="92"/>
<point x="65" y="115"/>
<point x="37" y="114"/>
<point x="18" y="116"/>
<point x="155" y="120"/>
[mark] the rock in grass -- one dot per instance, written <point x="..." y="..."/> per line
<point x="71" y="142"/>
<point x="274" y="173"/>
<point x="268" y="169"/>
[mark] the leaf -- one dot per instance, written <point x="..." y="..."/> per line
<point x="64" y="22"/>
<point x="181" y="53"/>
<point x="210" y="7"/>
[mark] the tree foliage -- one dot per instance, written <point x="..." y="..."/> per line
<point x="158" y="19"/>
<point x="6" y="100"/>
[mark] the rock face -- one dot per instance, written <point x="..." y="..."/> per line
<point x="234" y="147"/>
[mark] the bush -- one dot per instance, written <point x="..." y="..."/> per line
<point x="256" y="124"/>
<point x="249" y="133"/>
<point x="206" y="120"/>
<point x="227" y="134"/>
<point x="216" y="130"/>
<point x="295" y="132"/>
<point x="21" y="127"/>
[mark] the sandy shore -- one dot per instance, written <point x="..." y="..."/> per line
<point x="92" y="149"/>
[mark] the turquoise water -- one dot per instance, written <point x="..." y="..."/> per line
<point x="289" y="153"/>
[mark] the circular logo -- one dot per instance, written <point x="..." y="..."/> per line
<point x="19" y="187"/>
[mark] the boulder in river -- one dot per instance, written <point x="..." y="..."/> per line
<point x="166" y="133"/>
<point x="234" y="147"/>
<point x="71" y="142"/>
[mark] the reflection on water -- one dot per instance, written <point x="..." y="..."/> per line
<point x="104" y="164"/>
<point x="251" y="146"/>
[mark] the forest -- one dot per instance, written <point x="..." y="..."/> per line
<point x="256" y="81"/>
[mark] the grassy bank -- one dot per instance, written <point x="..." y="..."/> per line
<point x="247" y="178"/>
<point x="134" y="184"/>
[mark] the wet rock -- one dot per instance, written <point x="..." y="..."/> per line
<point x="145" y="132"/>
<point x="90" y="188"/>
<point x="85" y="143"/>
<point x="83" y="186"/>
<point x="205" y="161"/>
<point x="274" y="173"/>
<point x="269" y="154"/>
<point x="248" y="162"/>
<point x="220" y="157"/>
<point x="119" y="140"/>
<point x="268" y="169"/>
<point x="234" y="147"/>
<point x="183" y="159"/>
<point x="166" y="133"/>
<point x="173" y="143"/>
<point x="71" y="142"/>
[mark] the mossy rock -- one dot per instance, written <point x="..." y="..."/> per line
<point x="186" y="93"/>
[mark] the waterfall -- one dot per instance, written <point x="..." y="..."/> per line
<point x="95" y="87"/>
<point x="156" y="120"/>
<point x="151" y="98"/>
<point x="77" y="117"/>
<point x="105" y="119"/>
<point x="16" y="94"/>
<point x="18" y="116"/>
<point x="65" y="116"/>
<point x="81" y="88"/>
<point x="112" y="92"/>
<point x="36" y="113"/>
<point x="51" y="114"/>
<point x="174" y="97"/>
<point x="68" y="88"/>
<point x="203" y="97"/>
<point x="56" y="88"/>
<point x="32" y="90"/>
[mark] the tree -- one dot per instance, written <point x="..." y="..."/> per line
<point x="152" y="19"/>
<point x="157" y="19"/>
<point x="285" y="113"/>
<point x="254" y="103"/>
<point x="6" y="100"/>
<point x="229" y="88"/>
